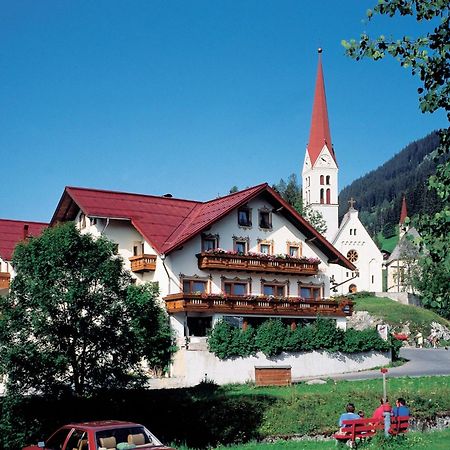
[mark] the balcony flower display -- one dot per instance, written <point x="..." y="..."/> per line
<point x="264" y="256"/>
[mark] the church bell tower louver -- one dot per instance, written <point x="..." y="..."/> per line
<point x="320" y="169"/>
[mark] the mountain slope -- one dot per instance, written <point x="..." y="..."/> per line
<point x="379" y="193"/>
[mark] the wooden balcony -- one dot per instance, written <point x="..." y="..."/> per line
<point x="143" y="263"/>
<point x="258" y="305"/>
<point x="257" y="263"/>
<point x="5" y="279"/>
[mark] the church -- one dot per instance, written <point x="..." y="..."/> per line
<point x="320" y="192"/>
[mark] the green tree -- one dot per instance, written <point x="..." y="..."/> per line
<point x="428" y="57"/>
<point x="292" y="193"/>
<point x="73" y="322"/>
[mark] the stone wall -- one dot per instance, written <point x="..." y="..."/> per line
<point x="191" y="367"/>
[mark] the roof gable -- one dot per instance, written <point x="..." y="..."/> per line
<point x="167" y="223"/>
<point x="14" y="231"/>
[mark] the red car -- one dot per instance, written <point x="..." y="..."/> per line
<point x="101" y="435"/>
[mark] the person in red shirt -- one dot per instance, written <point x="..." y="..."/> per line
<point x="384" y="407"/>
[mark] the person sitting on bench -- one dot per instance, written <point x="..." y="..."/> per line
<point x="348" y="415"/>
<point x="400" y="409"/>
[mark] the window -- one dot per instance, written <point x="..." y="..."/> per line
<point x="210" y="242"/>
<point x="352" y="256"/>
<point x="321" y="179"/>
<point x="276" y="290"/>
<point x="265" y="219"/>
<point x="354" y="231"/>
<point x="328" y="196"/>
<point x="322" y="196"/>
<point x="294" y="250"/>
<point x="264" y="248"/>
<point x="310" y="292"/>
<point x="240" y="247"/>
<point x="327" y="179"/>
<point x="245" y="217"/>
<point x="78" y="439"/>
<point x="138" y="248"/>
<point x="82" y="221"/>
<point x="351" y="231"/>
<point x="235" y="288"/>
<point x="56" y="441"/>
<point x="373" y="279"/>
<point x="194" y="286"/>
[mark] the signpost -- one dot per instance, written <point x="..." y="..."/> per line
<point x="386" y="413"/>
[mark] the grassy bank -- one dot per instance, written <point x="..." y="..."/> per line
<point x="438" y="440"/>
<point x="396" y="314"/>
<point x="212" y="415"/>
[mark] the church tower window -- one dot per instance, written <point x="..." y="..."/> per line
<point x="321" y="179"/>
<point x="328" y="196"/>
<point x="327" y="179"/>
<point x="322" y="200"/>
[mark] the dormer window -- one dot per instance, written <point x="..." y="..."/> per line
<point x="265" y="219"/>
<point x="210" y="242"/>
<point x="245" y="217"/>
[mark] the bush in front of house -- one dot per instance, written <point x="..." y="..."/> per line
<point x="273" y="337"/>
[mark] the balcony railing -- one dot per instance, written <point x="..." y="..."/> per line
<point x="258" y="263"/>
<point x="5" y="279"/>
<point x="258" y="305"/>
<point x="143" y="263"/>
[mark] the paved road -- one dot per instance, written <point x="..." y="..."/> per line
<point x="421" y="362"/>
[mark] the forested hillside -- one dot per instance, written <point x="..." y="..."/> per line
<point x="379" y="193"/>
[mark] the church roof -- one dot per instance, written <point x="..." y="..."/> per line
<point x="404" y="211"/>
<point x="320" y="128"/>
<point x="14" y="231"/>
<point x="167" y="223"/>
<point x="405" y="241"/>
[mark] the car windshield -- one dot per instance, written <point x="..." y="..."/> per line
<point x="125" y="438"/>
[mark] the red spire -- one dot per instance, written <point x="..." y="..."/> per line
<point x="320" y="128"/>
<point x="404" y="212"/>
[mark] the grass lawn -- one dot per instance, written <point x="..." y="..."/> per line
<point x="314" y="409"/>
<point x="396" y="314"/>
<point x="437" y="440"/>
<point x="208" y="415"/>
<point x="389" y="243"/>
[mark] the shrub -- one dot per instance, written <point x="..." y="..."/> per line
<point x="327" y="336"/>
<point x="271" y="337"/>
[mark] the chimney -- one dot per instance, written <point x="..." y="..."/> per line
<point x="25" y="231"/>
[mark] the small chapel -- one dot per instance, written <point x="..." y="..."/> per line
<point x="320" y="192"/>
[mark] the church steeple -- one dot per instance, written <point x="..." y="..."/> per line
<point x="404" y="211"/>
<point x="320" y="128"/>
<point x="320" y="170"/>
<point x="403" y="227"/>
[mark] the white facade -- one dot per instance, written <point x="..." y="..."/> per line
<point x="354" y="242"/>
<point x="180" y="265"/>
<point x="320" y="188"/>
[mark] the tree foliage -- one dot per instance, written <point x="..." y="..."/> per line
<point x="73" y="321"/>
<point x="379" y="193"/>
<point x="292" y="193"/>
<point x="428" y="57"/>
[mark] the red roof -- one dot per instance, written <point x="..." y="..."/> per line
<point x="14" y="231"/>
<point x="320" y="128"/>
<point x="404" y="211"/>
<point x="167" y="223"/>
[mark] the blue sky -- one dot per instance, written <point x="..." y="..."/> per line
<point x="188" y="97"/>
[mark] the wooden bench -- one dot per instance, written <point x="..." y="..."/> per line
<point x="365" y="428"/>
